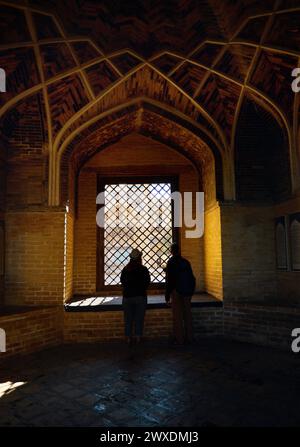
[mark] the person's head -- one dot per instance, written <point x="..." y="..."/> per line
<point x="135" y="256"/>
<point x="175" y="250"/>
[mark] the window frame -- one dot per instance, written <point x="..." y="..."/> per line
<point x="102" y="181"/>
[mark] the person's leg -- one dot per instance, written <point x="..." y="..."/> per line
<point x="187" y="318"/>
<point x="128" y="317"/>
<point x="177" y="309"/>
<point x="141" y="305"/>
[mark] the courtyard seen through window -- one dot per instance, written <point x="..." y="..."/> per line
<point x="137" y="215"/>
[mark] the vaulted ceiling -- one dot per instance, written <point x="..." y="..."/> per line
<point x="69" y="61"/>
<point x="149" y="26"/>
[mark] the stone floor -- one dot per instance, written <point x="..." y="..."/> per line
<point x="215" y="383"/>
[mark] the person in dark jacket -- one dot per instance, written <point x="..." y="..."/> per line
<point x="135" y="279"/>
<point x="180" y="286"/>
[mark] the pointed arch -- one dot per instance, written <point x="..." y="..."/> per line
<point x="149" y="120"/>
<point x="262" y="151"/>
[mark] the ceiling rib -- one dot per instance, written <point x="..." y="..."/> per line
<point x="80" y="68"/>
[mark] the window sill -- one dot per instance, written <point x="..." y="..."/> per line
<point x="114" y="303"/>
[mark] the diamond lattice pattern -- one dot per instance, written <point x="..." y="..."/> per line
<point x="137" y="216"/>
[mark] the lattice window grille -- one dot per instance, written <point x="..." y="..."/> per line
<point x="137" y="216"/>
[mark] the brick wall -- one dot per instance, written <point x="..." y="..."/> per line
<point x="85" y="235"/>
<point x="265" y="325"/>
<point x="2" y="179"/>
<point x="248" y="252"/>
<point x="27" y="154"/>
<point x="192" y="248"/>
<point x="137" y="150"/>
<point x="213" y="252"/>
<point x="38" y="329"/>
<point x="288" y="281"/>
<point x="25" y="183"/>
<point x="32" y="331"/>
<point x="210" y="179"/>
<point x="34" y="271"/>
<point x="2" y="261"/>
<point x="80" y="327"/>
<point x="288" y="286"/>
<point x="23" y="186"/>
<point x="119" y="159"/>
<point x="68" y="256"/>
<point x="2" y="218"/>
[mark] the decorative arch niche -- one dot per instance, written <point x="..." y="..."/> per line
<point x="262" y="155"/>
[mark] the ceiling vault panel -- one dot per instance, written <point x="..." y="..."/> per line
<point x="199" y="57"/>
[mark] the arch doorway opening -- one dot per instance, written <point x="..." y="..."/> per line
<point x="137" y="176"/>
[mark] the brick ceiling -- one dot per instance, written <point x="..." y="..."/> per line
<point x="149" y="26"/>
<point x="202" y="57"/>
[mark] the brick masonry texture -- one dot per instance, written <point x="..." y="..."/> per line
<point x="68" y="256"/>
<point x="248" y="252"/>
<point x="85" y="236"/>
<point x="152" y="157"/>
<point x="43" y="276"/>
<point x="32" y="330"/>
<point x="107" y="326"/>
<point x="35" y="329"/>
<point x="288" y="283"/>
<point x="213" y="252"/>
<point x="157" y="127"/>
<point x="264" y="325"/>
<point x="261" y="324"/>
<point x="34" y="258"/>
<point x="49" y="255"/>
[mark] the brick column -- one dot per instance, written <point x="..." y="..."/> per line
<point x="34" y="273"/>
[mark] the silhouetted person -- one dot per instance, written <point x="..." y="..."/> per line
<point x="180" y="286"/>
<point x="135" y="279"/>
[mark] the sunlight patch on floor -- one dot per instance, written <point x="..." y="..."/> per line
<point x="8" y="387"/>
